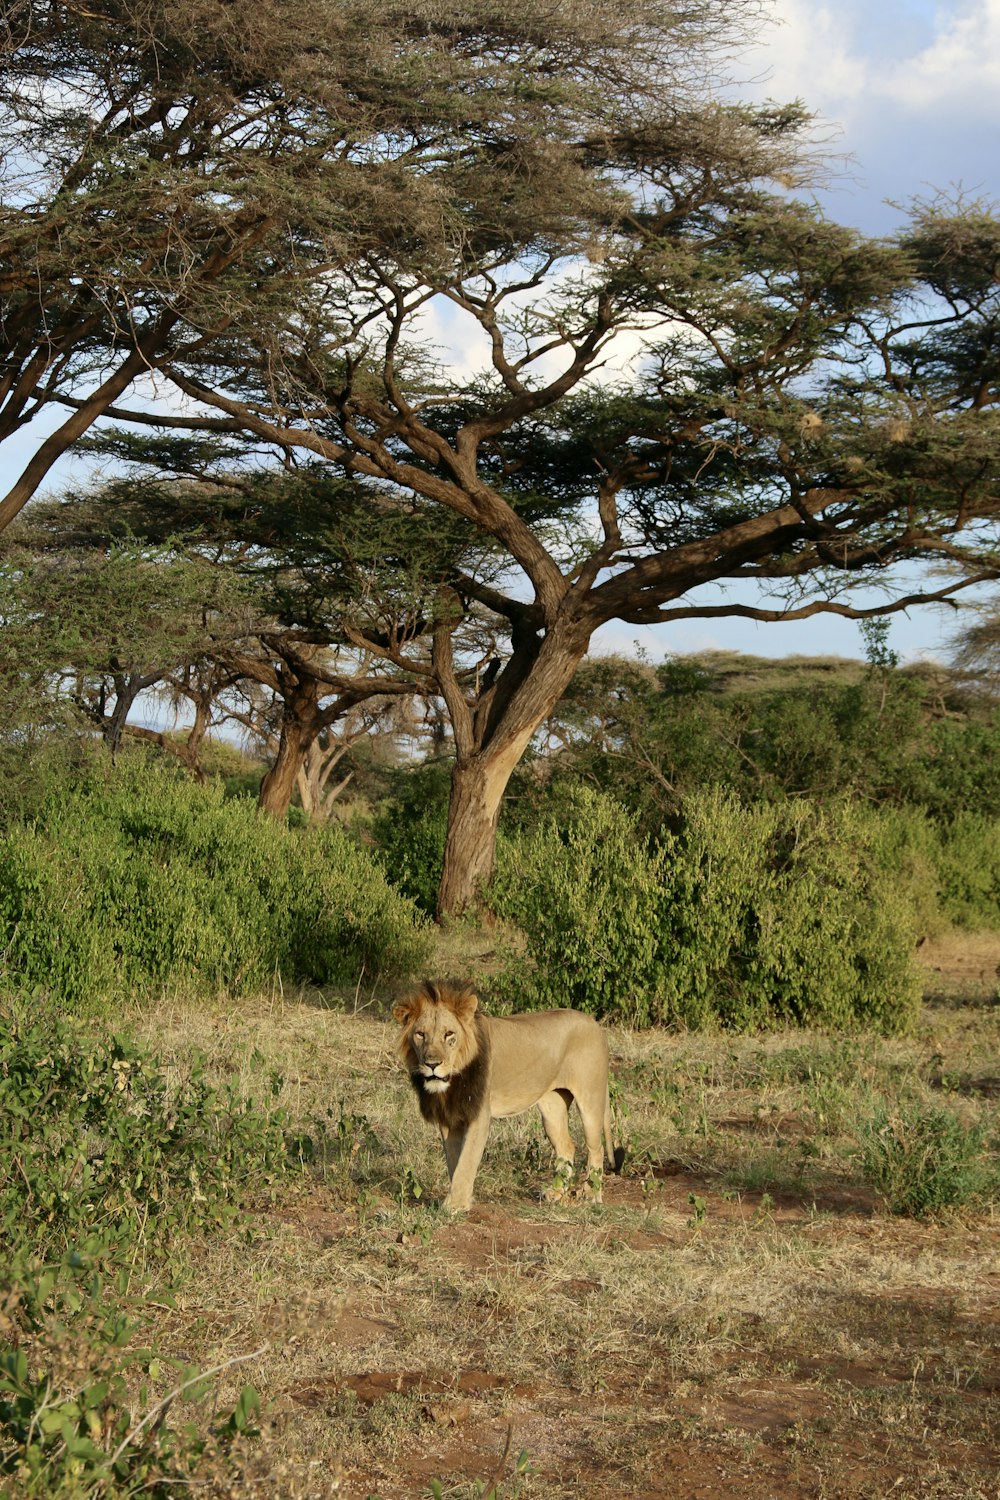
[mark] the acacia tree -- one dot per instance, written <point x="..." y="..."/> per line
<point x="94" y="630"/>
<point x="814" y="408"/>
<point x="176" y="174"/>
<point x="201" y="686"/>
<point x="315" y="692"/>
<point x="316" y="571"/>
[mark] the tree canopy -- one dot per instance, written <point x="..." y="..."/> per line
<point x="172" y="168"/>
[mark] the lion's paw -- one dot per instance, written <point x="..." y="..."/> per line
<point x="559" y="1187"/>
<point x="591" y="1190"/>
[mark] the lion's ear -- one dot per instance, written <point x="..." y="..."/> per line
<point x="405" y="1011"/>
<point x="466" y="1004"/>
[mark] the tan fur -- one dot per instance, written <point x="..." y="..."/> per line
<point x="469" y="1069"/>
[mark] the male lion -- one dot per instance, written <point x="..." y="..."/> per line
<point x="469" y="1069"/>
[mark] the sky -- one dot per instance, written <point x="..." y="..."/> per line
<point x="911" y="92"/>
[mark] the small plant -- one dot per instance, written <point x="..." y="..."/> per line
<point x="102" y="1160"/>
<point x="411" y="1189"/>
<point x="699" y="1211"/>
<point x="69" y="1428"/>
<point x="923" y="1160"/>
<point x="97" y="1145"/>
<point x="561" y="1179"/>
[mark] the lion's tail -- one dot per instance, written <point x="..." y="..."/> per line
<point x="615" y="1154"/>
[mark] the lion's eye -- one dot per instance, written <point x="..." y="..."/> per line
<point x="449" y="1037"/>
<point x="418" y="1036"/>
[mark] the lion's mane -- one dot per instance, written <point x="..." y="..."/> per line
<point x="465" y="1095"/>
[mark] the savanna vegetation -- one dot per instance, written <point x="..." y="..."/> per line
<point x="296" y="705"/>
<point x="225" y="1263"/>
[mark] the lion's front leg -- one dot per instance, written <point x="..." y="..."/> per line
<point x="559" y="1187"/>
<point x="463" y="1152"/>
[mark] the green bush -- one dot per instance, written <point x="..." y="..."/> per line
<point x="801" y="919"/>
<point x="587" y="892"/>
<point x="743" y="916"/>
<point x="131" y="879"/>
<point x="958" y="769"/>
<point x="967" y="862"/>
<point x="409" y="832"/>
<point x="950" y="869"/>
<point x="102" y="1165"/>
<point x="922" y="1160"/>
<point x="97" y="1146"/>
<point x="68" y="1428"/>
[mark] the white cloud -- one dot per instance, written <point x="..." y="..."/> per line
<point x="809" y="53"/>
<point x="841" y="61"/>
<point x="912" y="87"/>
<point x="961" y="66"/>
<point x="618" y="638"/>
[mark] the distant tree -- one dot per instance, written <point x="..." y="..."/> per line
<point x="976" y="650"/>
<point x="94" y="630"/>
<point x="338" y="598"/>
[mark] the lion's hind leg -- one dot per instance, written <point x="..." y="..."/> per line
<point x="554" y="1110"/>
<point x="592" y="1113"/>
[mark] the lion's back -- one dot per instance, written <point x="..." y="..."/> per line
<point x="543" y="1050"/>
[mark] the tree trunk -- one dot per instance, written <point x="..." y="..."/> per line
<point x="190" y="752"/>
<point x="477" y="790"/>
<point x="278" y="785"/>
<point x="127" y="688"/>
<point x="480" y="779"/>
<point x="316" y="794"/>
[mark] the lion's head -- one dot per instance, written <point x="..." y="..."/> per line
<point x="440" y="1036"/>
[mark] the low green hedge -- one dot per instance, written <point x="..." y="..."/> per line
<point x="134" y="878"/>
<point x="743" y="916"/>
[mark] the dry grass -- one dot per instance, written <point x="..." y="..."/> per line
<point x="739" y="1318"/>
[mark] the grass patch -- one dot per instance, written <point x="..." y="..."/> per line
<point x="922" y="1160"/>
<point x="782" y="1325"/>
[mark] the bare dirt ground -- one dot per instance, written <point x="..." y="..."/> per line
<point x="740" y="1319"/>
<point x="865" y="1389"/>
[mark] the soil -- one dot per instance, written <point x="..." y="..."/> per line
<point x="785" y="1420"/>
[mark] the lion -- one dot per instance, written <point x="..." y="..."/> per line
<point x="469" y="1069"/>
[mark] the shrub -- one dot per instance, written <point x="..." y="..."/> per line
<point x="922" y="1160"/>
<point x="102" y="1164"/>
<point x="126" y="882"/>
<point x="409" y="832"/>
<point x="967" y="861"/>
<point x="743" y="916"/>
<point x="97" y="1146"/>
<point x="951" y="869"/>
<point x="68" y="1428"/>
<point x="815" y="930"/>
<point x="587" y="894"/>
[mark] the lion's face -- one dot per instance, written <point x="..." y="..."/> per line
<point x="439" y="1034"/>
